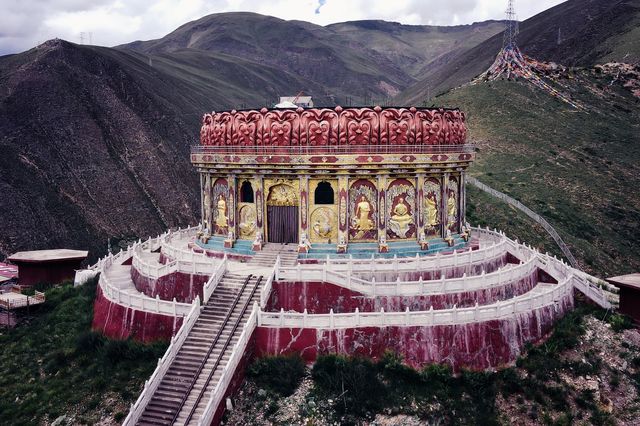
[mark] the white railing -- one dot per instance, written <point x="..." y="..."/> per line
<point x="211" y="285"/>
<point x="136" y="300"/>
<point x="323" y="273"/>
<point x="151" y="385"/>
<point x="535" y="299"/>
<point x="268" y="285"/>
<point x="229" y="369"/>
<point x="496" y="246"/>
<point x="238" y="351"/>
<point x="199" y="264"/>
<point x="560" y="271"/>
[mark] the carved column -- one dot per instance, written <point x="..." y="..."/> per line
<point x="207" y="204"/>
<point x="343" y="213"/>
<point x="304" y="204"/>
<point x="202" y="197"/>
<point x="382" y="209"/>
<point x="231" y="209"/>
<point x="444" y="220"/>
<point x="260" y="212"/>
<point x="419" y="209"/>
<point x="462" y="201"/>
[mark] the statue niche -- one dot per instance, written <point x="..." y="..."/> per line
<point x="220" y="196"/>
<point x="247" y="223"/>
<point x="401" y="200"/>
<point x="452" y="205"/>
<point x="432" y="207"/>
<point x="362" y="211"/>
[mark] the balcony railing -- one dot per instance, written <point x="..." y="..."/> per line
<point x="333" y="149"/>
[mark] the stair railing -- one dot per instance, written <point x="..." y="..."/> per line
<point x="193" y="381"/>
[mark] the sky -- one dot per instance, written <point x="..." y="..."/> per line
<point x="26" y="23"/>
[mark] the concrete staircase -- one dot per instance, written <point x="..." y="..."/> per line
<point x="186" y="387"/>
<point x="267" y="256"/>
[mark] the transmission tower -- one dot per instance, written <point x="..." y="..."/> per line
<point x="511" y="30"/>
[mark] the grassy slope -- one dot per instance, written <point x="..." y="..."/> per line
<point x="591" y="32"/>
<point x="585" y="369"/>
<point x="578" y="170"/>
<point x="55" y="366"/>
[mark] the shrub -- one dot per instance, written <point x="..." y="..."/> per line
<point x="279" y="374"/>
<point x="620" y="322"/>
<point x="353" y="382"/>
<point x="89" y="342"/>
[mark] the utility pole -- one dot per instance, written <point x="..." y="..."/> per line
<point x="511" y="30"/>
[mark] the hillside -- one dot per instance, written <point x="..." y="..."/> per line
<point x="576" y="169"/>
<point x="86" y="140"/>
<point x="574" y="33"/>
<point x="363" y="60"/>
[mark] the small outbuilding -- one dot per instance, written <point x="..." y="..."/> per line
<point x="47" y="266"/>
<point x="629" y="286"/>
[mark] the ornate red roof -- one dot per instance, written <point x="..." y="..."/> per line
<point x="339" y="126"/>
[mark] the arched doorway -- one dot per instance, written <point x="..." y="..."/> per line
<point x="282" y="215"/>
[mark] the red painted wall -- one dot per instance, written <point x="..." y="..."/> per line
<point x="184" y="287"/>
<point x="477" y="346"/>
<point x="119" y="322"/>
<point x="319" y="298"/>
<point x="32" y="273"/>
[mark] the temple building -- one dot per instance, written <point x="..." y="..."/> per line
<point x="326" y="231"/>
<point x="353" y="180"/>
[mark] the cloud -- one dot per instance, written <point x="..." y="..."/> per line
<point x="24" y="24"/>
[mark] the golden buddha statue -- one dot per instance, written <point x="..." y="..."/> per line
<point x="401" y="219"/>
<point x="431" y="210"/>
<point x="363" y="223"/>
<point x="452" y="207"/>
<point x="221" y="218"/>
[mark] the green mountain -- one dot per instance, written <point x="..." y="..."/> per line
<point x="574" y="33"/>
<point x="95" y="141"/>
<point x="578" y="170"/>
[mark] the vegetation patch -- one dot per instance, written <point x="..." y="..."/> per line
<point x="568" y="379"/>
<point x="55" y="365"/>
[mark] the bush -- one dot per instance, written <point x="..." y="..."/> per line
<point x="352" y="382"/>
<point x="279" y="374"/>
<point x="89" y="343"/>
<point x="620" y="322"/>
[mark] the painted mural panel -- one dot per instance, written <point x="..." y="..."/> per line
<point x="401" y="201"/>
<point x="363" y="210"/>
<point x="220" y="202"/>
<point x="432" y="202"/>
<point x="247" y="221"/>
<point x="324" y="224"/>
<point x="453" y="193"/>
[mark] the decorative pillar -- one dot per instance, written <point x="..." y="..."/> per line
<point x="420" y="202"/>
<point x="382" y="213"/>
<point x="202" y="197"/>
<point x="444" y="191"/>
<point x="304" y="244"/>
<point x="207" y="214"/>
<point x="259" y="200"/>
<point x="304" y="203"/>
<point x="343" y="214"/>
<point x="231" y="211"/>
<point x="462" y="201"/>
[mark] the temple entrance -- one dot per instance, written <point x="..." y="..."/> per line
<point x="282" y="215"/>
<point x="283" y="224"/>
